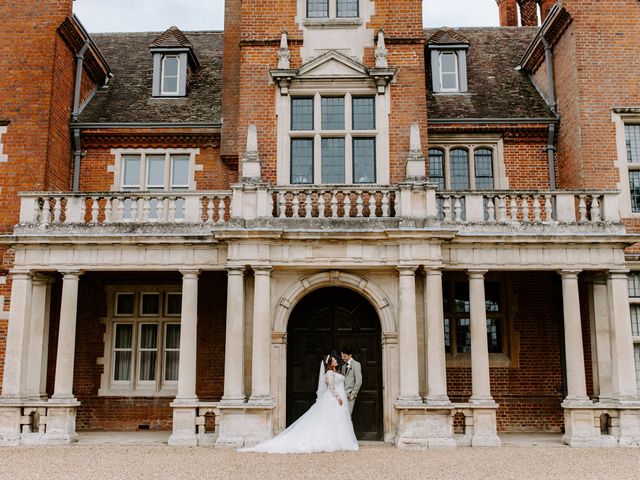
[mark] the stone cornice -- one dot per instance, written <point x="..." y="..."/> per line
<point x="128" y="139"/>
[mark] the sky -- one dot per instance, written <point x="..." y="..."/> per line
<point x="158" y="15"/>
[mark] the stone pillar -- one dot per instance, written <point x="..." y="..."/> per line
<point x="480" y="379"/>
<point x="261" y="354"/>
<point x="408" y="337"/>
<point x="188" y="338"/>
<point x="623" y="369"/>
<point x="436" y="355"/>
<point x="63" y="389"/>
<point x="16" y="353"/>
<point x="39" y="337"/>
<point x="574" y="353"/>
<point x="599" y="310"/>
<point x="234" y="342"/>
<point x="482" y="403"/>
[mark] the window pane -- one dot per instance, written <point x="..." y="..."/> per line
<point x="635" y="320"/>
<point x="148" y="365"/>
<point x="494" y="335"/>
<point x="170" y="66"/>
<point x="463" y="335"/>
<point x="447" y="335"/>
<point x="634" y="185"/>
<point x="174" y="304"/>
<point x="131" y="171"/>
<point x="632" y="134"/>
<point x="492" y="297"/>
<point x="302" y="114"/>
<point x="364" y="160"/>
<point x="170" y="85"/>
<point x="461" y="297"/>
<point x="149" y="336"/>
<point x="122" y="366"/>
<point x="634" y="284"/>
<point x="302" y="160"/>
<point x="347" y="8"/>
<point x="317" y="8"/>
<point x="124" y="303"/>
<point x="448" y="63"/>
<point x="150" y="303"/>
<point x="459" y="169"/>
<point x="637" y="355"/>
<point x="172" y="363"/>
<point x="155" y="171"/>
<point x="333" y="160"/>
<point x="483" y="162"/>
<point x="173" y="336"/>
<point x="436" y="167"/>
<point x="332" y="113"/>
<point x="364" y="113"/>
<point x="449" y="81"/>
<point x="124" y="336"/>
<point x="180" y="171"/>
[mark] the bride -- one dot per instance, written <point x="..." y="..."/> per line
<point x="325" y="427"/>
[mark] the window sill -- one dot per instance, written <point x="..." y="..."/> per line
<point x="125" y="392"/>
<point x="332" y="22"/>
<point x="463" y="360"/>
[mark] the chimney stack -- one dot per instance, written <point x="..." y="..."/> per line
<point x="528" y="13"/>
<point x="508" y="13"/>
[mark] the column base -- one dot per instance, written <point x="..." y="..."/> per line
<point x="244" y="425"/>
<point x="9" y="424"/>
<point x="408" y="401"/>
<point x="629" y="433"/>
<point x="184" y="424"/>
<point x="423" y="427"/>
<point x="261" y="400"/>
<point x="485" y="433"/>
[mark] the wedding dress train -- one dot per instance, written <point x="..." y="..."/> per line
<point x="325" y="427"/>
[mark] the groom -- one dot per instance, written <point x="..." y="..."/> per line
<point x="352" y="372"/>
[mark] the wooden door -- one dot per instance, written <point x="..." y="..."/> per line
<point x="324" y="321"/>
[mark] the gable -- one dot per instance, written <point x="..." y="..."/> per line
<point x="333" y="64"/>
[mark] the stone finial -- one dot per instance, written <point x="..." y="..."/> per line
<point x="251" y="170"/>
<point x="381" y="51"/>
<point x="416" y="167"/>
<point x="284" y="55"/>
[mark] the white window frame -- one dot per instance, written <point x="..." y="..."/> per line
<point x="635" y="339"/>
<point x="457" y="71"/>
<point x="620" y="121"/>
<point x="118" y="168"/>
<point x="3" y="156"/>
<point x="380" y="133"/>
<point x="165" y="350"/>
<point x="332" y="12"/>
<point x="164" y="92"/>
<point x="136" y="387"/>
<point x="471" y="144"/>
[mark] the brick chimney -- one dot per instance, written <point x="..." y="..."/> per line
<point x="508" y="13"/>
<point x="528" y="13"/>
<point x="545" y="7"/>
<point x="229" y="148"/>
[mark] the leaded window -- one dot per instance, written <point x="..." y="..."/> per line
<point x="346" y="8"/>
<point x="302" y="114"/>
<point x="155" y="171"/>
<point x="333" y="160"/>
<point x="364" y="113"/>
<point x="317" y="8"/>
<point x="364" y="166"/>
<point x="634" y="284"/>
<point x="302" y="160"/>
<point x="632" y="136"/>
<point x="332" y="113"/>
<point x="636" y="349"/>
<point x="463" y="167"/>
<point x="635" y="320"/>
<point x="459" y="169"/>
<point x="483" y="166"/>
<point x="634" y="187"/>
<point x="436" y="167"/>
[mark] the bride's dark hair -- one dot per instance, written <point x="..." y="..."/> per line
<point x="328" y="360"/>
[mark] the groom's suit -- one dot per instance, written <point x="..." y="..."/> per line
<point x="352" y="372"/>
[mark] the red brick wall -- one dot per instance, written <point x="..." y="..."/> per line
<point x="508" y="13"/>
<point x="529" y="393"/>
<point x="3" y="347"/>
<point x="127" y="413"/>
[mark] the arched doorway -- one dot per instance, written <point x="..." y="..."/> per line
<point x="325" y="320"/>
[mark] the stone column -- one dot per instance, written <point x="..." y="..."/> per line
<point x="574" y="353"/>
<point x="234" y="342"/>
<point x="599" y="310"/>
<point x="188" y="338"/>
<point x="39" y="337"/>
<point x="623" y="369"/>
<point x="480" y="379"/>
<point x="408" y="337"/>
<point x="16" y="353"/>
<point x="436" y="355"/>
<point x="63" y="389"/>
<point x="261" y="354"/>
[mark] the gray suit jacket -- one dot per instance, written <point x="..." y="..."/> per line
<point x="353" y="378"/>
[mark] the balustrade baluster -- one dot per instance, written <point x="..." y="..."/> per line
<point x="491" y="210"/>
<point x="536" y="209"/>
<point x="146" y="208"/>
<point x="372" y="204"/>
<point x="210" y="209"/>
<point x="160" y="210"/>
<point x="57" y="209"/>
<point x="596" y="209"/>
<point x="548" y="208"/>
<point x="384" y="207"/>
<point x="134" y="209"/>
<point x="282" y="204"/>
<point x="582" y="208"/>
<point x="457" y="209"/>
<point x="359" y="204"/>
<point x="172" y="209"/>
<point x="308" y="204"/>
<point x="321" y="204"/>
<point x="108" y="210"/>
<point x="95" y="209"/>
<point x="446" y="208"/>
<point x="120" y="207"/>
<point x="36" y="210"/>
<point x="296" y="204"/>
<point x="513" y="203"/>
<point x="525" y="208"/>
<point x="221" y="209"/>
<point x="502" y="208"/>
<point x="347" y="204"/>
<point x="46" y="211"/>
<point x="334" y="204"/>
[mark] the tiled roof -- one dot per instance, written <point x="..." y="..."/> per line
<point x="173" y="37"/>
<point x="496" y="89"/>
<point x="447" y="36"/>
<point x="128" y="97"/>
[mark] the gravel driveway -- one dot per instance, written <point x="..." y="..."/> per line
<point x="97" y="462"/>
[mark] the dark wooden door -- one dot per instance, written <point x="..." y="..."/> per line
<point x="327" y="320"/>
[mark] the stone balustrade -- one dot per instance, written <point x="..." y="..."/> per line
<point x="413" y="202"/>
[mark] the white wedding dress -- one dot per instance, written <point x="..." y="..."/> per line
<point x="325" y="427"/>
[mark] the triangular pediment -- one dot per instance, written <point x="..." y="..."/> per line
<point x="333" y="64"/>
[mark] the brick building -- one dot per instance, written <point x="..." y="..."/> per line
<point x="191" y="219"/>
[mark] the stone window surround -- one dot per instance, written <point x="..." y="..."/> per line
<point x="636" y="339"/>
<point x="631" y="116"/>
<point x="317" y="91"/>
<point x="134" y="388"/>
<point x="471" y="143"/>
<point x="3" y="156"/>
<point x="116" y="168"/>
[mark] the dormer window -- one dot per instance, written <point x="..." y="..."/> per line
<point x="448" y="61"/>
<point x="333" y="9"/>
<point x="173" y="63"/>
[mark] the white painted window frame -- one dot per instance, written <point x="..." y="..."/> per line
<point x="620" y="121"/>
<point x="380" y="133"/>
<point x="164" y="92"/>
<point x="136" y="387"/>
<point x="635" y="339"/>
<point x="3" y="156"/>
<point x="118" y="166"/>
<point x="333" y="12"/>
<point x="457" y="71"/>
<point x="471" y="144"/>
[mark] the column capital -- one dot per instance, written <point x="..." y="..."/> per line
<point x="262" y="269"/>
<point x="20" y="273"/>
<point x="433" y="270"/>
<point x="41" y="278"/>
<point x="619" y="273"/>
<point x="235" y="269"/>
<point x="477" y="273"/>
<point x="71" y="273"/>
<point x="406" y="269"/>
<point x="190" y="273"/>
<point x="569" y="273"/>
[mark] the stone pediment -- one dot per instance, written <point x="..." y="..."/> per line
<point x="333" y="64"/>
